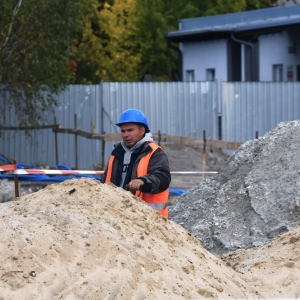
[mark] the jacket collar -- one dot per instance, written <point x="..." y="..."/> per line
<point x="119" y="150"/>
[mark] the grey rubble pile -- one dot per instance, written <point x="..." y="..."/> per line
<point x="7" y="190"/>
<point x="254" y="197"/>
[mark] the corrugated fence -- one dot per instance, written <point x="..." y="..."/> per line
<point x="178" y="108"/>
<point x="173" y="108"/>
<point x="250" y="107"/>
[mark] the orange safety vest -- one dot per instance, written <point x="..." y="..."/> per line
<point x="157" y="201"/>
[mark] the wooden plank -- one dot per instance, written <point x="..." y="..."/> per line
<point x="81" y="133"/>
<point x="29" y="127"/>
<point x="183" y="140"/>
<point x="90" y="135"/>
<point x="65" y="130"/>
<point x="177" y="139"/>
<point x="218" y="144"/>
<point x="112" y="137"/>
<point x="233" y="145"/>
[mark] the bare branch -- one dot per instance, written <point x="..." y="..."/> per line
<point x="12" y="21"/>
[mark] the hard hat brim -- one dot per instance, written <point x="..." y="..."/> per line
<point x="137" y="123"/>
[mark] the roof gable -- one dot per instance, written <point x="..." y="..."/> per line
<point x="238" y="22"/>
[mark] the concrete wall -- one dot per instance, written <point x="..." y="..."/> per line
<point x="274" y="50"/>
<point x="199" y="56"/>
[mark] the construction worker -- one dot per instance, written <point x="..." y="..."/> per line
<point x="138" y="164"/>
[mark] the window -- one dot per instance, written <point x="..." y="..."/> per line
<point x="210" y="74"/>
<point x="290" y="73"/>
<point x="277" y="73"/>
<point x="298" y="73"/>
<point x="190" y="75"/>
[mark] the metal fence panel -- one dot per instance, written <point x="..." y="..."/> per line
<point x="175" y="108"/>
<point x="82" y="100"/>
<point x="250" y="107"/>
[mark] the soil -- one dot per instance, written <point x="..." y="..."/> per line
<point x="233" y="235"/>
<point x="183" y="158"/>
<point x="81" y="239"/>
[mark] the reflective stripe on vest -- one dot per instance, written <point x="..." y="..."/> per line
<point x="158" y="206"/>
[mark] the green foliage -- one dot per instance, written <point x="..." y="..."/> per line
<point x="160" y="16"/>
<point x="36" y="48"/>
<point x="45" y="45"/>
<point x="152" y="29"/>
<point x="125" y="39"/>
<point x="110" y="46"/>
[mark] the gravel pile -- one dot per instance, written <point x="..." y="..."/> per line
<point x="255" y="196"/>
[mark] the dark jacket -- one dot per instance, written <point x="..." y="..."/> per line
<point x="158" y="178"/>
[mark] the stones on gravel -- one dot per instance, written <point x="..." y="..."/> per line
<point x="255" y="196"/>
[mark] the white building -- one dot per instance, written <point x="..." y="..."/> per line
<point x="258" y="45"/>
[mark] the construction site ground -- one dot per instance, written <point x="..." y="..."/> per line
<point x="232" y="235"/>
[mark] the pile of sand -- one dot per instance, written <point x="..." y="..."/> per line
<point x="273" y="269"/>
<point x="81" y="239"/>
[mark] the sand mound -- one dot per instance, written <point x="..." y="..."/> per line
<point x="273" y="269"/>
<point x="80" y="239"/>
<point x="254" y="198"/>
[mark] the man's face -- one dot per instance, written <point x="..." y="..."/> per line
<point x="131" y="133"/>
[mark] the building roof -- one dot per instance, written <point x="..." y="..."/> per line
<point x="241" y="23"/>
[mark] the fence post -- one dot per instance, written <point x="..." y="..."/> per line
<point x="204" y="155"/>
<point x="103" y="153"/>
<point x="16" y="181"/>
<point x="159" y="137"/>
<point x="76" y="142"/>
<point x="256" y="134"/>
<point x="55" y="137"/>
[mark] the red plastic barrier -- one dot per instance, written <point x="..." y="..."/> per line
<point x="6" y="168"/>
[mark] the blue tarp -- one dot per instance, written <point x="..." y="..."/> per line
<point x="41" y="177"/>
<point x="177" y="192"/>
<point x="37" y="177"/>
<point x="5" y="160"/>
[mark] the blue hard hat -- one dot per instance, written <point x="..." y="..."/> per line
<point x="133" y="116"/>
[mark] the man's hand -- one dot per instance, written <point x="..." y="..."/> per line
<point x="135" y="184"/>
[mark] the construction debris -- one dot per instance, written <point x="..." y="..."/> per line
<point x="254" y="198"/>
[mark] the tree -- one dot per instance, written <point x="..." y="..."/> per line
<point x="109" y="49"/>
<point x="156" y="19"/>
<point x="126" y="39"/>
<point x="160" y="16"/>
<point x="36" y="50"/>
